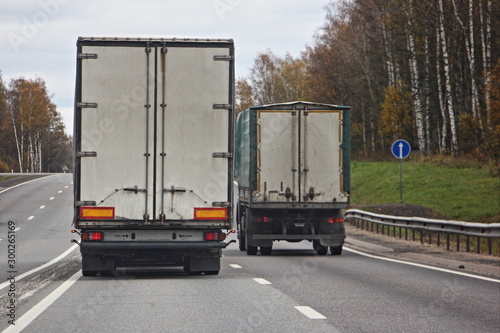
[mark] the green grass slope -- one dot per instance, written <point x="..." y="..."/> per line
<point x="459" y="194"/>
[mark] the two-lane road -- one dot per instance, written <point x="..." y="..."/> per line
<point x="42" y="212"/>
<point x="293" y="290"/>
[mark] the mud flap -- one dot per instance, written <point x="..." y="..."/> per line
<point x="201" y="264"/>
<point x="94" y="263"/>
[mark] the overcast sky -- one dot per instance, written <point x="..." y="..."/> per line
<point x="38" y="37"/>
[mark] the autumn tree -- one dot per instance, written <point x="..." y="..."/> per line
<point x="244" y="95"/>
<point x="34" y="128"/>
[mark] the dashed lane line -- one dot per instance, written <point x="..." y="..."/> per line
<point x="235" y="266"/>
<point x="261" y="281"/>
<point x="309" y="312"/>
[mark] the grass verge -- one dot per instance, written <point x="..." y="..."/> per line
<point x="467" y="194"/>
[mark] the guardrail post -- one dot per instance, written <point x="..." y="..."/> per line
<point x="478" y="249"/>
<point x="467" y="243"/>
<point x="448" y="241"/>
<point x="458" y="242"/>
<point x="439" y="239"/>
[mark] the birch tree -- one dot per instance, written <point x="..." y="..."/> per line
<point x="448" y="88"/>
<point x="414" y="78"/>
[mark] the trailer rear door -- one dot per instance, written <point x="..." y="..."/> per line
<point x="153" y="129"/>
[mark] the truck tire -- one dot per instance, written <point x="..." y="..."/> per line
<point x="336" y="250"/>
<point x="89" y="273"/>
<point x="241" y="235"/>
<point x="266" y="250"/>
<point x="319" y="249"/>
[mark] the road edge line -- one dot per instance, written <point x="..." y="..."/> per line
<point x="479" y="277"/>
<point x="35" y="311"/>
<point x="34" y="270"/>
<point x="29" y="181"/>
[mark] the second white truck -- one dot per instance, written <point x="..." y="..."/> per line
<point x="293" y="173"/>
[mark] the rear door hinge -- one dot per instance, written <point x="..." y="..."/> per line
<point x="222" y="106"/>
<point x="86" y="154"/>
<point x="85" y="203"/>
<point x="87" y="55"/>
<point x="221" y="204"/>
<point x="86" y="105"/>
<point x="222" y="155"/>
<point x="223" y="58"/>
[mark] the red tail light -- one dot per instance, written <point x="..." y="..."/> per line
<point x="335" y="220"/>
<point x="214" y="236"/>
<point x="262" y="219"/>
<point x="92" y="236"/>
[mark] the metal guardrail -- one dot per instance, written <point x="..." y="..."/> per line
<point x="433" y="228"/>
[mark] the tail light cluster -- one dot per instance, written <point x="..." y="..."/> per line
<point x="335" y="220"/>
<point x="262" y="219"/>
<point x="214" y="236"/>
<point x="92" y="236"/>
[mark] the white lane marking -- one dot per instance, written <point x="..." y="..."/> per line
<point x="261" y="281"/>
<point x="35" y="311"/>
<point x="51" y="198"/>
<point x="310" y="312"/>
<point x="17" y="229"/>
<point x="235" y="265"/>
<point x="29" y="181"/>
<point x="59" y="191"/>
<point x="31" y="217"/>
<point x="39" y="268"/>
<point x="67" y="186"/>
<point x="423" y="266"/>
<point x="42" y="206"/>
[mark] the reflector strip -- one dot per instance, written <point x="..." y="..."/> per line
<point x="210" y="213"/>
<point x="94" y="213"/>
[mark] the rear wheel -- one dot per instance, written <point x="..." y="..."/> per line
<point x="241" y="235"/>
<point x="266" y="250"/>
<point x="319" y="249"/>
<point x="89" y="273"/>
<point x="251" y="250"/>
<point x="336" y="250"/>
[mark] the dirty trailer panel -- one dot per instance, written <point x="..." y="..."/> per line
<point x="153" y="134"/>
<point x="293" y="173"/>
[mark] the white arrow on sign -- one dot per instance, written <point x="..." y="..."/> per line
<point x="401" y="150"/>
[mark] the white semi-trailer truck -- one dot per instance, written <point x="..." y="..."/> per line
<point x="293" y="173"/>
<point x="153" y="140"/>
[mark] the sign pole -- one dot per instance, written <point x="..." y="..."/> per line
<point x="401" y="149"/>
<point x="400" y="180"/>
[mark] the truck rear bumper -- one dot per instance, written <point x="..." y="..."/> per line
<point x="339" y="238"/>
<point x="152" y="245"/>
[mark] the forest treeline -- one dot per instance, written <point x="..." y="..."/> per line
<point x="427" y="71"/>
<point x="32" y="137"/>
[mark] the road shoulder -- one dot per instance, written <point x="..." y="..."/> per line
<point x="429" y="254"/>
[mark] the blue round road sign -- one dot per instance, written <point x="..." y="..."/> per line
<point x="401" y="149"/>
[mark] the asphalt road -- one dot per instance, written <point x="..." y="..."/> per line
<point x="293" y="290"/>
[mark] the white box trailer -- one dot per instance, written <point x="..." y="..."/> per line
<point x="153" y="152"/>
<point x="293" y="173"/>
